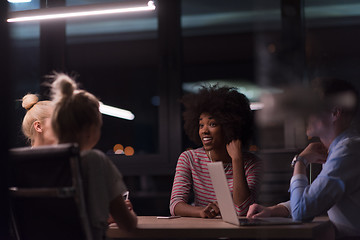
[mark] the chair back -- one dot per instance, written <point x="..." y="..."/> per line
<point x="46" y="193"/>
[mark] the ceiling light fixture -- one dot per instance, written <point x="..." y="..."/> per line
<point x="256" y="106"/>
<point x="80" y="11"/>
<point x="116" y="112"/>
<point x="19" y="1"/>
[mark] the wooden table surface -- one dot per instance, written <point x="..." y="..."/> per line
<point x="186" y="227"/>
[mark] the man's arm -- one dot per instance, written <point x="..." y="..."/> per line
<point x="308" y="201"/>
<point x="314" y="153"/>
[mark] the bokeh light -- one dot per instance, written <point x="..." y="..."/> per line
<point x="129" y="151"/>
<point x="118" y="149"/>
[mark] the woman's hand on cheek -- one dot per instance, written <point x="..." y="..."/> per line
<point x="234" y="149"/>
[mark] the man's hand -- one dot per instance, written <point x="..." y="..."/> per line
<point x="315" y="153"/>
<point x="257" y="210"/>
<point x="210" y="211"/>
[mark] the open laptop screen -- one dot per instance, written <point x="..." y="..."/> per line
<point x="226" y="203"/>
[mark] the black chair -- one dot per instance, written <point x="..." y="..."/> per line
<point x="46" y="193"/>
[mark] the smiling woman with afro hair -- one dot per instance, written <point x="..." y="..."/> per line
<point x="230" y="108"/>
<point x="219" y="119"/>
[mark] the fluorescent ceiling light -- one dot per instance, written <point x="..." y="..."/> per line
<point x="116" y="112"/>
<point x="250" y="90"/>
<point x="256" y="106"/>
<point x="80" y="11"/>
<point x="19" y="1"/>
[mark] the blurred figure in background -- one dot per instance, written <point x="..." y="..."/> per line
<point x="36" y="125"/>
<point x="336" y="190"/>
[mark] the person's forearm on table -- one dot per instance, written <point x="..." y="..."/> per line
<point x="186" y="210"/>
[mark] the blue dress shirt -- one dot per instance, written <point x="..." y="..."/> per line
<point x="335" y="190"/>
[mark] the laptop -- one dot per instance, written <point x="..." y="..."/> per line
<point x="226" y="204"/>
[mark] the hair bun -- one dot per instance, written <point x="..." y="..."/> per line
<point x="29" y="100"/>
<point x="62" y="87"/>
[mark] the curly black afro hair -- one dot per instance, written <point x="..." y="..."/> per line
<point x="227" y="106"/>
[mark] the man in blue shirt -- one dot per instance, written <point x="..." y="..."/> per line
<point x="337" y="188"/>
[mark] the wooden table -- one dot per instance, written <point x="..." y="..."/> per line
<point x="185" y="227"/>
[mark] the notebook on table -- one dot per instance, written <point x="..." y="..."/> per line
<point x="226" y="204"/>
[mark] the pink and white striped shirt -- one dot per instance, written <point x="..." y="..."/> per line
<point x="192" y="174"/>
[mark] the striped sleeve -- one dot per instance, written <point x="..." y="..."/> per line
<point x="253" y="171"/>
<point x="182" y="182"/>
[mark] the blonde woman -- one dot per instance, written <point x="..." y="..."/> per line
<point x="36" y="125"/>
<point x="76" y="118"/>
